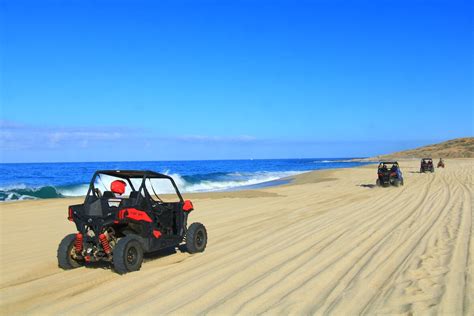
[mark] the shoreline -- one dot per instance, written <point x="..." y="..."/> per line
<point x="254" y="190"/>
<point x="238" y="192"/>
<point x="245" y="187"/>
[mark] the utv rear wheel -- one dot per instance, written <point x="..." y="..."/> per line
<point x="128" y="255"/>
<point x="396" y="183"/>
<point x="65" y="252"/>
<point x="196" y="238"/>
<point x="377" y="182"/>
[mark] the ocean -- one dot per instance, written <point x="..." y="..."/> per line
<point x="20" y="181"/>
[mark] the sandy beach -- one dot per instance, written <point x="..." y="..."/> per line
<point x="328" y="243"/>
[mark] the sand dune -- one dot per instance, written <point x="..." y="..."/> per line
<point x="330" y="243"/>
<point x="454" y="148"/>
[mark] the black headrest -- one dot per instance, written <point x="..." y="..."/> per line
<point x="108" y="195"/>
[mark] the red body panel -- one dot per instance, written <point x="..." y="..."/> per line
<point x="133" y="213"/>
<point x="156" y="233"/>
<point x="188" y="206"/>
<point x="70" y="218"/>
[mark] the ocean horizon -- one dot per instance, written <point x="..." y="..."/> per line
<point x="23" y="181"/>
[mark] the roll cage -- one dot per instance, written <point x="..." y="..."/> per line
<point x="128" y="176"/>
<point x="388" y="164"/>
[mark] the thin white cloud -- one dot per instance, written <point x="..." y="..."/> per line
<point x="215" y="139"/>
<point x="16" y="136"/>
<point x="19" y="136"/>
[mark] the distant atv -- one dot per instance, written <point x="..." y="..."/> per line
<point x="120" y="229"/>
<point x="441" y="163"/>
<point x="426" y="165"/>
<point x="389" y="173"/>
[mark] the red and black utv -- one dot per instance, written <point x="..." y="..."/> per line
<point x="426" y="165"/>
<point x="125" y="220"/>
<point x="389" y="173"/>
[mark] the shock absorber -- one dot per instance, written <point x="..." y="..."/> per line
<point x="78" y="243"/>
<point x="105" y="243"/>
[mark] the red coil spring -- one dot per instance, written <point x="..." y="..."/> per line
<point x="105" y="243"/>
<point x="78" y="243"/>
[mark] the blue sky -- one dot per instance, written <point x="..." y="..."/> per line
<point x="164" y="80"/>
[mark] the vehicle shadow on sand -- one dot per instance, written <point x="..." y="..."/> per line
<point x="151" y="256"/>
<point x="98" y="265"/>
<point x="163" y="253"/>
<point x="370" y="186"/>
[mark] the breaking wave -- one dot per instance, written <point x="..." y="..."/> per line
<point x="218" y="181"/>
<point x="23" y="193"/>
<point x="333" y="161"/>
<point x="225" y="181"/>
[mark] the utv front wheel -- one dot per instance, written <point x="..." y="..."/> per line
<point x="196" y="238"/>
<point x="377" y="182"/>
<point x="65" y="252"/>
<point x="128" y="255"/>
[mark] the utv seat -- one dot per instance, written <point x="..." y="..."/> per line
<point x="134" y="195"/>
<point x="132" y="200"/>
